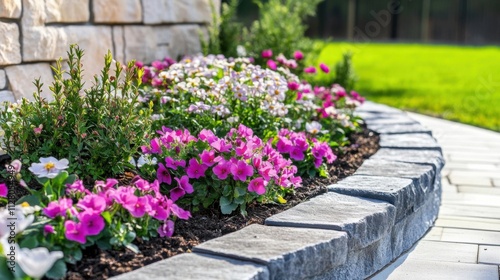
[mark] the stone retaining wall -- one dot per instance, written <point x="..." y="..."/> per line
<point x="362" y="224"/>
<point x="35" y="33"/>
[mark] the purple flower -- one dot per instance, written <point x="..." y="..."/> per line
<point x="241" y="170"/>
<point x="91" y="223"/>
<point x="271" y="64"/>
<point x="298" y="55"/>
<point x="324" y="68"/>
<point x="3" y="190"/>
<point x="92" y="203"/>
<point x="167" y="229"/>
<point x="267" y="53"/>
<point x="222" y="169"/>
<point x="183" y="188"/>
<point x="293" y="85"/>
<point x="208" y="158"/>
<point x="76" y="187"/>
<point x="58" y="208"/>
<point x="139" y="208"/>
<point x="310" y="70"/>
<point x="48" y="229"/>
<point x="297" y="154"/>
<point x="257" y="185"/>
<point x="75" y="232"/>
<point x="196" y="170"/>
<point x="163" y="175"/>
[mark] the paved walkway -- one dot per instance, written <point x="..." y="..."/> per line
<point x="465" y="240"/>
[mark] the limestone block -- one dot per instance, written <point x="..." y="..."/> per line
<point x="21" y="79"/>
<point x="6" y="95"/>
<point x="95" y="41"/>
<point x="140" y="43"/>
<point x="10" y="8"/>
<point x="118" y="11"/>
<point x="3" y="79"/>
<point x="371" y="107"/>
<point x="10" y="49"/>
<point x="171" y="11"/>
<point x="399" y="128"/>
<point x="34" y="13"/>
<point x="289" y="253"/>
<point x="415" y="141"/>
<point x="67" y="10"/>
<point x="119" y="43"/>
<point x="198" y="266"/>
<point x="179" y="40"/>
<point x="44" y="43"/>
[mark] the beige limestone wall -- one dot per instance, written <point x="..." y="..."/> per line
<point x="35" y="33"/>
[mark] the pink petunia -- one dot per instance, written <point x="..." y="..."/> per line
<point x="91" y="223"/>
<point x="310" y="70"/>
<point x="208" y="158"/>
<point x="241" y="170"/>
<point x="196" y="170"/>
<point x="298" y="55"/>
<point x="3" y="190"/>
<point x="155" y="146"/>
<point x="183" y="187"/>
<point x="293" y="85"/>
<point x="272" y="64"/>
<point x="75" y="232"/>
<point x="267" y="53"/>
<point x="163" y="175"/>
<point x="297" y="154"/>
<point x="222" y="170"/>
<point x="139" y="208"/>
<point x="257" y="185"/>
<point x="92" y="203"/>
<point x="324" y="68"/>
<point x="48" y="229"/>
<point x="166" y="229"/>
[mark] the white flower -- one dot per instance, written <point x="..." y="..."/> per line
<point x="241" y="51"/>
<point x="313" y="127"/>
<point x="38" y="261"/>
<point x="232" y="119"/>
<point x="17" y="222"/>
<point x="48" y="167"/>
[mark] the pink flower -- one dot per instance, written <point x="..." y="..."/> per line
<point x="297" y="154"/>
<point x="3" y="190"/>
<point x="241" y="170"/>
<point x="196" y="170"/>
<point x="167" y="229"/>
<point x="75" y="232"/>
<point x="293" y="85"/>
<point x="92" y="203"/>
<point x="139" y="208"/>
<point x="257" y="185"/>
<point x="124" y="196"/>
<point x="221" y="146"/>
<point x="318" y="162"/>
<point x="183" y="188"/>
<point x="157" y="211"/>
<point x="58" y="208"/>
<point x="38" y="130"/>
<point x="310" y="70"/>
<point x="298" y="55"/>
<point x="207" y="135"/>
<point x="76" y="187"/>
<point x="271" y="64"/>
<point x="163" y="175"/>
<point x="48" y="229"/>
<point x="284" y="145"/>
<point x="324" y="68"/>
<point x="91" y="223"/>
<point x="267" y="53"/>
<point x="14" y="166"/>
<point x="222" y="169"/>
<point x="208" y="158"/>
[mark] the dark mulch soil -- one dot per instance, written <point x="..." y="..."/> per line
<point x="98" y="264"/>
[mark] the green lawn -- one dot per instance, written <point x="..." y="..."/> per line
<point x="452" y="82"/>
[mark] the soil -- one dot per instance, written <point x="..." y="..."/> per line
<point x="99" y="264"/>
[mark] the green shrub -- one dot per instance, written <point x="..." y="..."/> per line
<point x="96" y="129"/>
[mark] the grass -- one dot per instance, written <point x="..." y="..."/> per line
<point x="453" y="82"/>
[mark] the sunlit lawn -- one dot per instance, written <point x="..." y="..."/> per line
<point x="456" y="83"/>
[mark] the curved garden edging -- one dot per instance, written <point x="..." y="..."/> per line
<point x="362" y="224"/>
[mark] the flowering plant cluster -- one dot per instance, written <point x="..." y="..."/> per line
<point x="232" y="171"/>
<point x="67" y="217"/>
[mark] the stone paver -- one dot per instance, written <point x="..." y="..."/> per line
<point x="465" y="240"/>
<point x="489" y="254"/>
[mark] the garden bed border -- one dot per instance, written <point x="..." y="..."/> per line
<point x="359" y="226"/>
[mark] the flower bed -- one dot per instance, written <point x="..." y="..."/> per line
<point x="230" y="135"/>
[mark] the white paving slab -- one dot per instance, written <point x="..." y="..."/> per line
<point x="489" y="254"/>
<point x="445" y="252"/>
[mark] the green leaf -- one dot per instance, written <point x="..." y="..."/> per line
<point x="32" y="200"/>
<point x="224" y="201"/>
<point x="239" y="191"/>
<point x="70" y="180"/>
<point x="103" y="244"/>
<point x="5" y="272"/>
<point x="132" y="247"/>
<point x="29" y="242"/>
<point x="226" y="208"/>
<point x="226" y="191"/>
<point x="57" y="271"/>
<point x="239" y="200"/>
<point x="107" y="216"/>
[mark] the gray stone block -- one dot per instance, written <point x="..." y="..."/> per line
<point x="409" y="230"/>
<point x="377" y="108"/>
<point x="366" y="220"/>
<point x="399" y="128"/>
<point x="422" y="175"/>
<point x="289" y="253"/>
<point x="388" y="119"/>
<point x="414" y="141"/>
<point x="362" y="263"/>
<point x="400" y="192"/>
<point x="369" y="116"/>
<point x="198" y="266"/>
<point x="432" y="157"/>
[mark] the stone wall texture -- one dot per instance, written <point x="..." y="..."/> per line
<point x="36" y="33"/>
